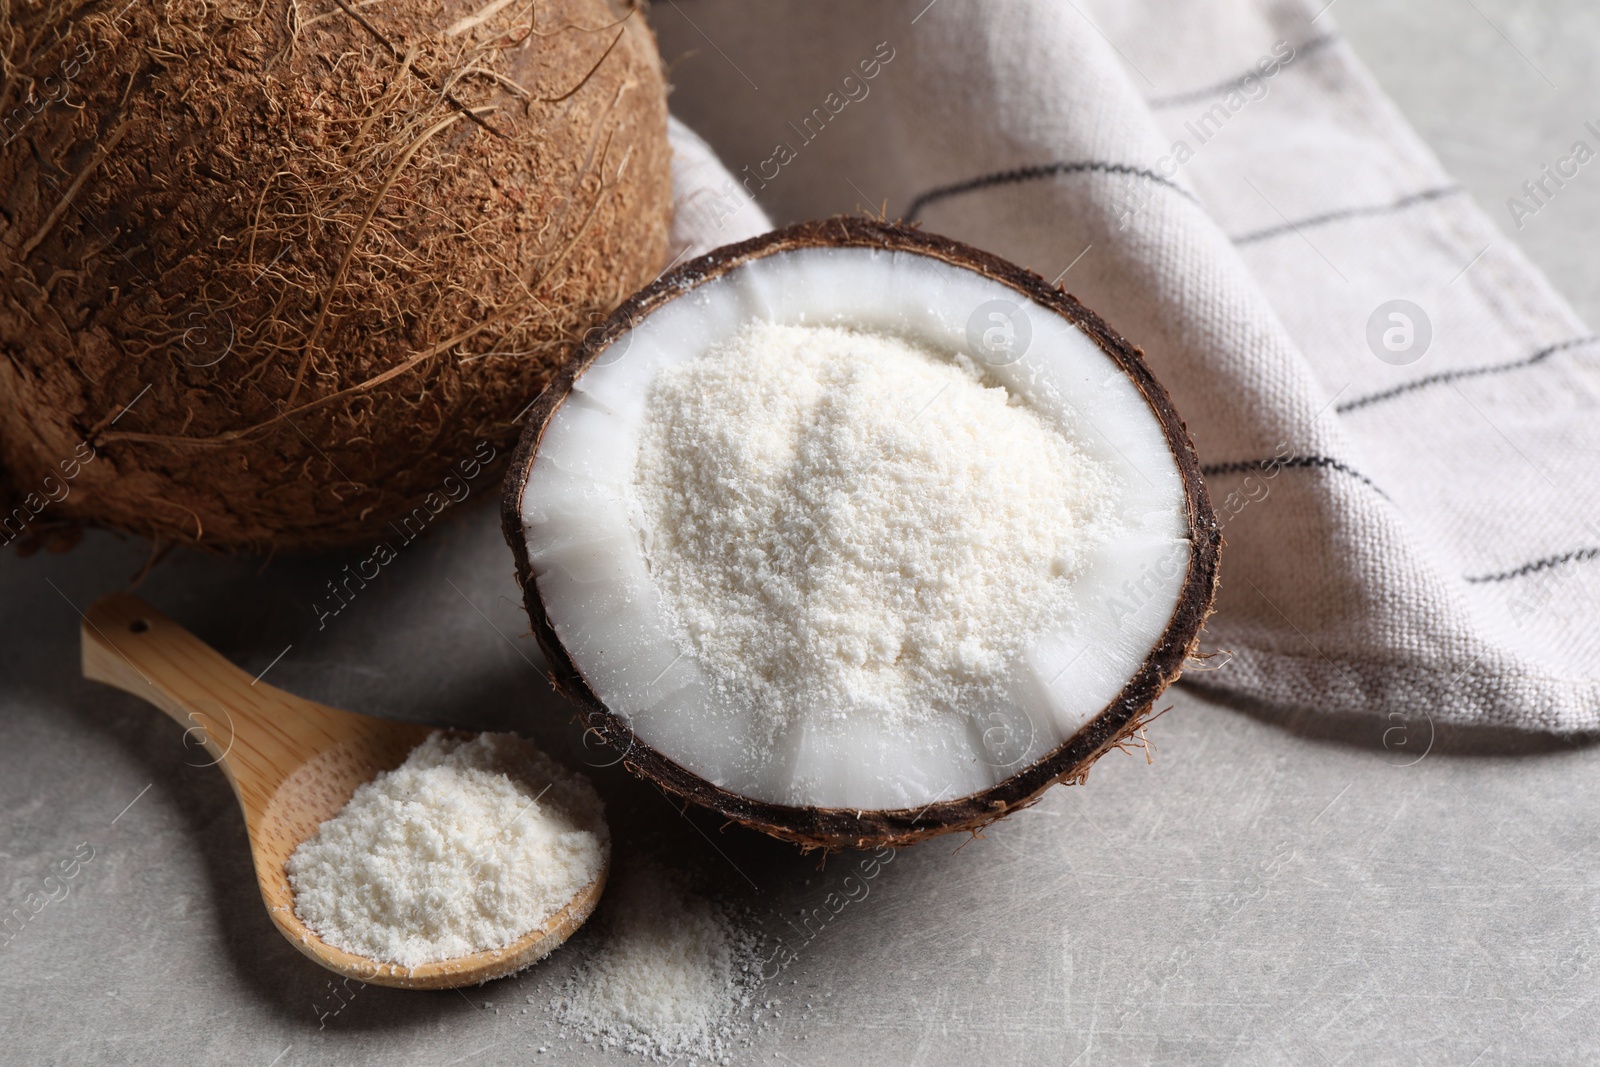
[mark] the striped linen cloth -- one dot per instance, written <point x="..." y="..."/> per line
<point x="1396" y="412"/>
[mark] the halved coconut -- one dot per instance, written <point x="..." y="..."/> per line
<point x="839" y="647"/>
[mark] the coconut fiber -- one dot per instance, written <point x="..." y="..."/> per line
<point x="278" y="266"/>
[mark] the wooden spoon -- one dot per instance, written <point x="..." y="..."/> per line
<point x="293" y="764"/>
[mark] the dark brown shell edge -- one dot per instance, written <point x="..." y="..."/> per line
<point x="834" y="828"/>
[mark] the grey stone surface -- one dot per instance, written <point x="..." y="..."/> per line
<point x="1271" y="889"/>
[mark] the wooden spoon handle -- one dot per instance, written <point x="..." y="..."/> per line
<point x="257" y="733"/>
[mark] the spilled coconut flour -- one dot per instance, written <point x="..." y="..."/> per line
<point x="466" y="846"/>
<point x="672" y="975"/>
<point x="849" y="523"/>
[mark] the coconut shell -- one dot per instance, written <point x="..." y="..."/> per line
<point x="288" y="270"/>
<point x="834" y="828"/>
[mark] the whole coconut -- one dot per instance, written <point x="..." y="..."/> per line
<point x="277" y="273"/>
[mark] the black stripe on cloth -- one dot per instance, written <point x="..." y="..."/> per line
<point x="1310" y="47"/>
<point x="1327" y="462"/>
<point x="1575" y="556"/>
<point x="1036" y="173"/>
<point x="1456" y="375"/>
<point x="1348" y="213"/>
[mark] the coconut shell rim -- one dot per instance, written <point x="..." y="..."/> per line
<point x="834" y="828"/>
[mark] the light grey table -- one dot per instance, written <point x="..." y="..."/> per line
<point x="1272" y="889"/>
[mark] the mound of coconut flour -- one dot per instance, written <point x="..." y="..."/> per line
<point x="849" y="524"/>
<point x="466" y="846"/>
<point x="670" y="977"/>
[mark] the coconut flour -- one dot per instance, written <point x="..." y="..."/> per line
<point x="466" y="846"/>
<point x="671" y="977"/>
<point x="850" y="524"/>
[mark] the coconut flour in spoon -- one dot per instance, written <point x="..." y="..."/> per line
<point x="466" y="846"/>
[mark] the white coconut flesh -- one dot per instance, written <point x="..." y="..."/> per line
<point x="806" y="546"/>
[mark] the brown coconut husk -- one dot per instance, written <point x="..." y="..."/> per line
<point x="1117" y="726"/>
<point x="287" y="266"/>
